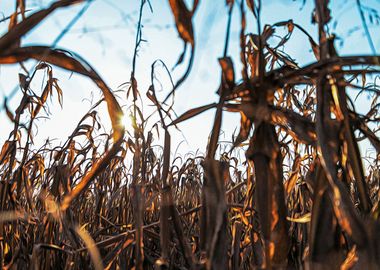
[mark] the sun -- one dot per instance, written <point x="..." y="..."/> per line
<point x="128" y="120"/>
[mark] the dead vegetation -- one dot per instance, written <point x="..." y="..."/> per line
<point x="301" y="200"/>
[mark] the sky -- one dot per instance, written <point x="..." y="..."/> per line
<point x="105" y="37"/>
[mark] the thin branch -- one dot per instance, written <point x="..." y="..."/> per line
<point x="365" y="26"/>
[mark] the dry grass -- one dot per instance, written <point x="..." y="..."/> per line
<point x="301" y="200"/>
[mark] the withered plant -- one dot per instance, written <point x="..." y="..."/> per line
<point x="302" y="199"/>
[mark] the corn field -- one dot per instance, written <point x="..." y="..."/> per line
<point x="303" y="197"/>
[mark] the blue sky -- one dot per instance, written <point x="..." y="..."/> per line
<point x="105" y="37"/>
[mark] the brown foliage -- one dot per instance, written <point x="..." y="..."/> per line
<point x="301" y="199"/>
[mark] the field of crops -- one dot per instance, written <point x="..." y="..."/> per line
<point x="303" y="197"/>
